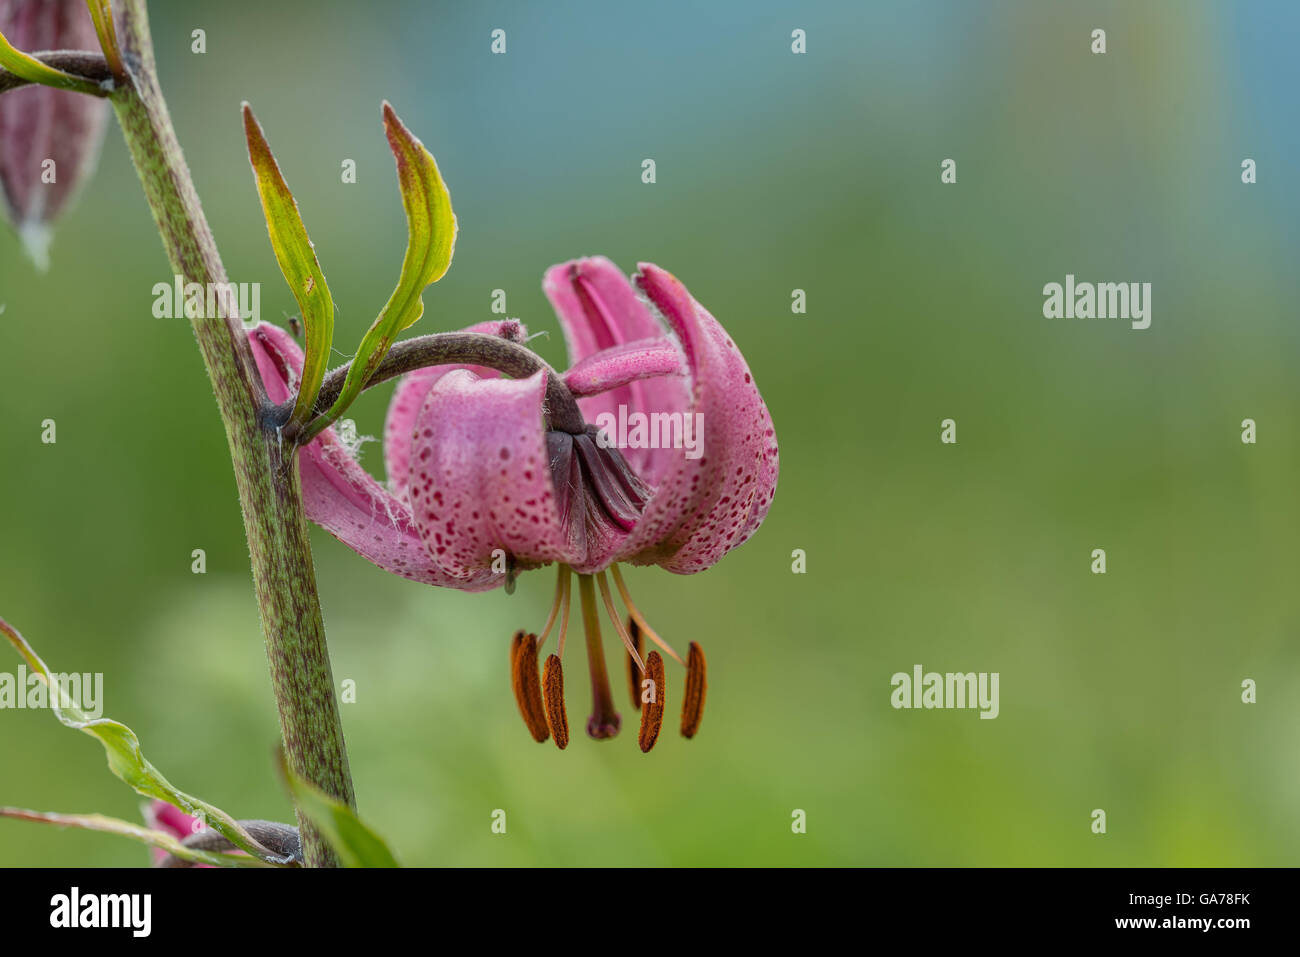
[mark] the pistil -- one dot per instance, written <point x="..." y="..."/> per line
<point x="604" y="721"/>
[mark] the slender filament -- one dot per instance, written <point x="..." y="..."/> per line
<point x="564" y="613"/>
<point x="561" y="586"/>
<point x="618" y="620"/>
<point x="640" y="618"/>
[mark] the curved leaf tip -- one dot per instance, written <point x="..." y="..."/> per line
<point x="431" y="241"/>
<point x="297" y="258"/>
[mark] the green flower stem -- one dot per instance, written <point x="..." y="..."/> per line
<point x="265" y="470"/>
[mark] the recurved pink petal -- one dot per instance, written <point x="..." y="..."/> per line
<point x="162" y="816"/>
<point x="481" y="475"/>
<point x="598" y="310"/>
<point x="342" y="497"/>
<point x="705" y="505"/>
<point x="409" y="396"/>
<point x="619" y="365"/>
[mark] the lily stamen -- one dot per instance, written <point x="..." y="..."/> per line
<point x="557" y="718"/>
<point x="618" y="621"/>
<point x="640" y="618"/>
<point x="652" y="715"/>
<point x="696" y="685"/>
<point x="559" y="609"/>
<point x="527" y="688"/>
<point x="564" y="614"/>
<point x="633" y="678"/>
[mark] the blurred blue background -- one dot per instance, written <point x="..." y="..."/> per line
<point x="775" y="171"/>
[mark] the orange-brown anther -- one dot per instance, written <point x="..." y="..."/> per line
<point x="633" y="673"/>
<point x="652" y="715"/>
<point x="557" y="719"/>
<point x="528" y="691"/>
<point x="696" y="685"/>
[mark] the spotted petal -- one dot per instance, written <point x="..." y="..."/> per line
<point x="707" y="505"/>
<point x="409" y="396"/>
<point x="342" y="497"/>
<point x="481" y="477"/>
<point x="599" y="310"/>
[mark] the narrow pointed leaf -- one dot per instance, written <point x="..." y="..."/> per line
<point x="297" y="259"/>
<point x="126" y="760"/>
<point x="355" y="843"/>
<point x="431" y="226"/>
<point x="34" y="71"/>
<point x="144" y="835"/>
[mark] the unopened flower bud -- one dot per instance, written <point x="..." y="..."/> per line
<point x="49" y="139"/>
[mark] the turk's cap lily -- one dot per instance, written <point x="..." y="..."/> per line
<point x="341" y="497"/>
<point x="478" y="468"/>
<point x="473" y="469"/>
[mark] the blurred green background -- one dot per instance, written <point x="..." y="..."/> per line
<point x="775" y="172"/>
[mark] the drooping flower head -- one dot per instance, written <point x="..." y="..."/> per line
<point x="658" y="450"/>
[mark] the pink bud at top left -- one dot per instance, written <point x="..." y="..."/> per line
<point x="49" y="139"/>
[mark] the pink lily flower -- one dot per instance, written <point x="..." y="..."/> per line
<point x="675" y="463"/>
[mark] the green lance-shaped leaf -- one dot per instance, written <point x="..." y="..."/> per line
<point x="125" y="758"/>
<point x="34" y="71"/>
<point x="145" y="835"/>
<point x="297" y="258"/>
<point x="354" y="842"/>
<point x="432" y="237"/>
<point x="101" y="13"/>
